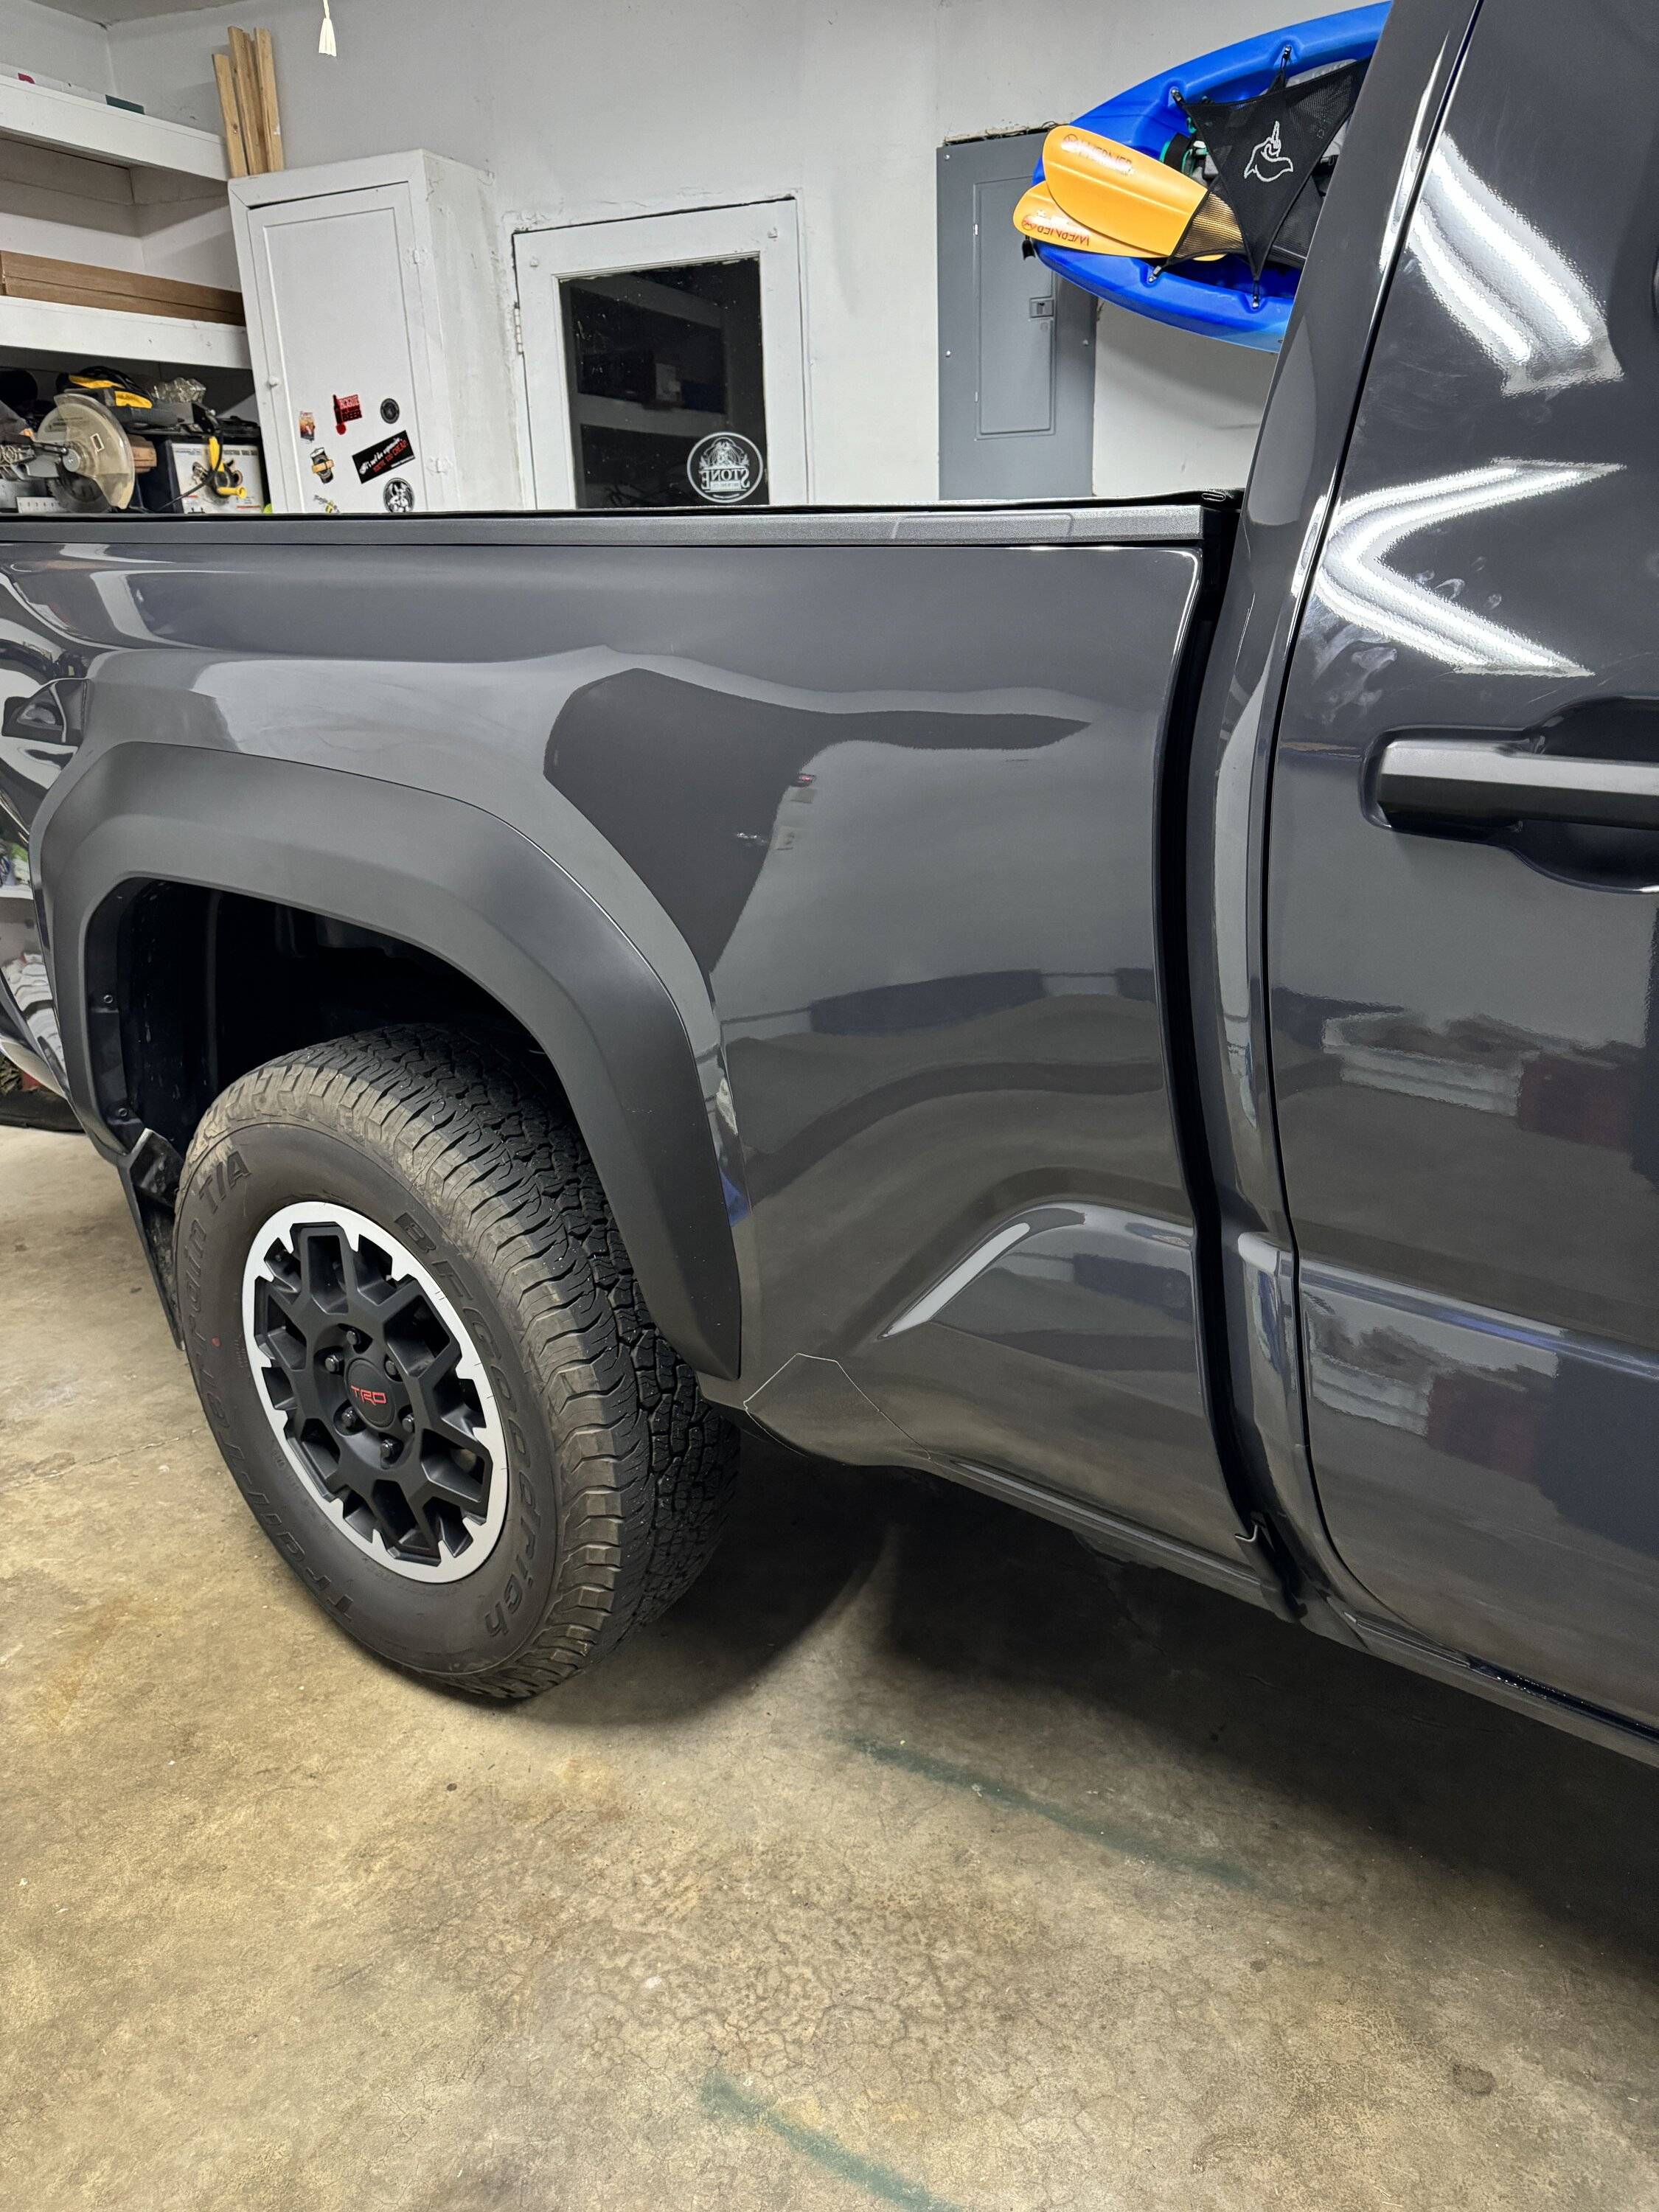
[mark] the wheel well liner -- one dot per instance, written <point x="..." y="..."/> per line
<point x="447" y="879"/>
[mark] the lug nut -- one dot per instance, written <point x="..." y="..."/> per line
<point x="359" y="1341"/>
<point x="350" y="1421"/>
<point x="333" y="1362"/>
<point x="389" y="1450"/>
<point x="391" y="1371"/>
<point x="409" y="1424"/>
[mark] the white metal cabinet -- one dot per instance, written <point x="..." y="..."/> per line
<point x="379" y="335"/>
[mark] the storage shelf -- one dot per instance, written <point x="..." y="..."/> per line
<point x="62" y="120"/>
<point x="112" y="334"/>
<point x="596" y="414"/>
<point x="16" y="896"/>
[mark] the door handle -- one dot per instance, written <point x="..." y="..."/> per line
<point x="1421" y="782"/>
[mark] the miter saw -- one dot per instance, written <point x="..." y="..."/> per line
<point x="81" y="456"/>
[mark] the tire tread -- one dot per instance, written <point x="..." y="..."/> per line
<point x="487" y="1148"/>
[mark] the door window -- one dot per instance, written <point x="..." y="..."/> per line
<point x="666" y="377"/>
<point x="663" y="360"/>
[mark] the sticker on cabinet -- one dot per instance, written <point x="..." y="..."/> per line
<point x="379" y="459"/>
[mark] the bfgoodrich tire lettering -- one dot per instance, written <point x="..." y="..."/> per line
<point x="620" y="1474"/>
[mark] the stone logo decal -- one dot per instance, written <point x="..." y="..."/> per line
<point x="726" y="468"/>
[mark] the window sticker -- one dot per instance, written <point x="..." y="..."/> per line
<point x="726" y="468"/>
<point x="348" y="410"/>
<point x="322" y="465"/>
<point x="400" y="496"/>
<point x="307" y="427"/>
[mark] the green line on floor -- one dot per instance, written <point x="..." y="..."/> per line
<point x="1112" y="1835"/>
<point x="724" y="2098"/>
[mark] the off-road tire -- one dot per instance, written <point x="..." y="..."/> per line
<point x="620" y="1474"/>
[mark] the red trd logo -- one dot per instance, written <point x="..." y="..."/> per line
<point x="370" y="1397"/>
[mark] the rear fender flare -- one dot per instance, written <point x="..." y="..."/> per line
<point x="454" y="881"/>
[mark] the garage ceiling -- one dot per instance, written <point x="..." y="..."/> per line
<point x="126" y="11"/>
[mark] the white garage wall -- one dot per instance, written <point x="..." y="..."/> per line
<point x="587" y="109"/>
<point x="36" y="38"/>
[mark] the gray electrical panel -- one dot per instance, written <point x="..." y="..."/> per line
<point x="1016" y="371"/>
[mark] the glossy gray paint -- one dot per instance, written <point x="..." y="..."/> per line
<point x="1066" y="1356"/>
<point x="872" y="825"/>
<point x="1464" y="1041"/>
<point x="1299" y="456"/>
<point x="991" y="1129"/>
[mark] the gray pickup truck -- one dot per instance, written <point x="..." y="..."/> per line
<point x="1149" y="1011"/>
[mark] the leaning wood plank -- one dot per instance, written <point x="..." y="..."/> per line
<point x="235" y="147"/>
<point x="264" y="63"/>
<point x="128" y="287"/>
<point x="247" y="101"/>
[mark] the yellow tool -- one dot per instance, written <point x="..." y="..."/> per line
<point x="110" y="389"/>
<point x="1119" y="193"/>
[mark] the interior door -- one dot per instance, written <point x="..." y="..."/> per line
<point x="663" y="360"/>
<point x="1463" y="873"/>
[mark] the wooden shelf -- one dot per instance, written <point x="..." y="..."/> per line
<point x="108" y="334"/>
<point x="82" y="150"/>
<point x="73" y="126"/>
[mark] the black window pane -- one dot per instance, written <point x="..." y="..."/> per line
<point x="657" y="361"/>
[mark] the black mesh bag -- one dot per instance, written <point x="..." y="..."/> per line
<point x="1267" y="153"/>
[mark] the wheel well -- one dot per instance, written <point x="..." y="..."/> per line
<point x="212" y="984"/>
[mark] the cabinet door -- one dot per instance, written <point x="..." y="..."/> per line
<point x="346" y="399"/>
<point x="1466" y="1015"/>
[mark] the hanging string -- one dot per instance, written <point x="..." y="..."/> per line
<point x="325" y="44"/>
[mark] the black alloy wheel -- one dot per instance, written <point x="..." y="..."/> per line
<point x="375" y="1391"/>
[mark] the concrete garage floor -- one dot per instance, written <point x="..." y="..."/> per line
<point x="915" y="1859"/>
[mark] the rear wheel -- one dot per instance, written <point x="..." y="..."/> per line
<point x="423" y="1354"/>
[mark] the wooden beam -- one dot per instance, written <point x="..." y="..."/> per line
<point x="78" y="283"/>
<point x="270" y="114"/>
<point x="235" y="148"/>
<point x="246" y="71"/>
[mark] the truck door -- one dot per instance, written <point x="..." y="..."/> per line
<point x="1464" y="889"/>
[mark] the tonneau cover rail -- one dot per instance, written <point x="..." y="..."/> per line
<point x="1186" y="522"/>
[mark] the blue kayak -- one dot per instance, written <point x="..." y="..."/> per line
<point x="1219" y="299"/>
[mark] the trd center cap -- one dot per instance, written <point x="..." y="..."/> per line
<point x="372" y="1394"/>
